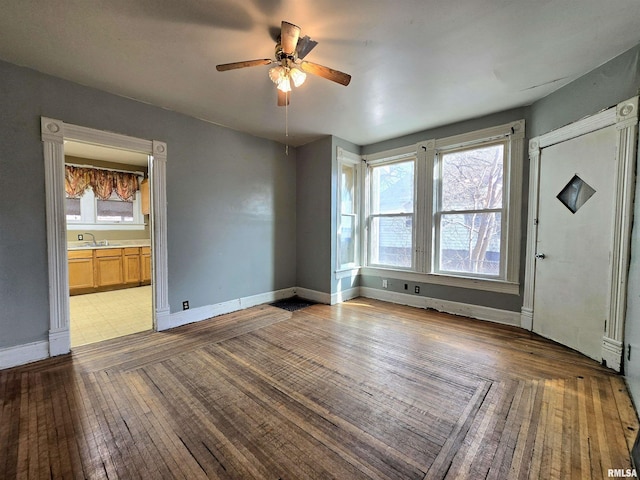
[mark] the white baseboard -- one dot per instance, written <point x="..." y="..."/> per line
<point x="209" y="311"/>
<point x="59" y="342"/>
<point x="21" y="354"/>
<point x="31" y="352"/>
<point x="473" y="311"/>
<point x="345" y="295"/>
<point x="314" y="295"/>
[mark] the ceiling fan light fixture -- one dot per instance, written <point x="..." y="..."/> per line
<point x="277" y="74"/>
<point x="284" y="85"/>
<point x="297" y="76"/>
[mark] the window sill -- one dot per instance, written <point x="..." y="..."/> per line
<point x="488" y="285"/>
<point x="105" y="226"/>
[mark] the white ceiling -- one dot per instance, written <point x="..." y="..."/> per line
<point x="415" y="64"/>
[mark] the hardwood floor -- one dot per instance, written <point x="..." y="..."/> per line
<point x="359" y="390"/>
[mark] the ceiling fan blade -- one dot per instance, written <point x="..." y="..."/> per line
<point x="326" y="72"/>
<point x="305" y="45"/>
<point x="283" y="98"/>
<point x="248" y="63"/>
<point x="289" y="34"/>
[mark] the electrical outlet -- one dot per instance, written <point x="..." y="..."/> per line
<point x="80" y="236"/>
<point x="185" y="305"/>
<point x="385" y="283"/>
<point x="416" y="289"/>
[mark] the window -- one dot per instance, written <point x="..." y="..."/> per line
<point x="391" y="214"/>
<point x="114" y="210"/>
<point x="468" y="216"/>
<point x="447" y="211"/>
<point x="348" y="228"/>
<point x="89" y="212"/>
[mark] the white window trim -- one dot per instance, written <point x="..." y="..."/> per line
<point x="345" y="157"/>
<point x="438" y="212"/>
<point x="89" y="220"/>
<point x="392" y="156"/>
<point x="423" y="212"/>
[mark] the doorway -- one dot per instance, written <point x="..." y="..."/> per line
<point x="581" y="204"/>
<point x="574" y="238"/>
<point x="54" y="134"/>
<point x="108" y="226"/>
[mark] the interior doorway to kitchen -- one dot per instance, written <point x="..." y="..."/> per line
<point x="54" y="133"/>
<point x="108" y="235"/>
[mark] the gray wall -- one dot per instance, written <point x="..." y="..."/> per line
<point x="632" y="331"/>
<point x="231" y="200"/>
<point x="313" y="202"/>
<point x="606" y="86"/>
<point x="475" y="297"/>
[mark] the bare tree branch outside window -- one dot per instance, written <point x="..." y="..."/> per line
<point x="471" y="207"/>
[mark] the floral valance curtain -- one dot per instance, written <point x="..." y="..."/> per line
<point x="103" y="183"/>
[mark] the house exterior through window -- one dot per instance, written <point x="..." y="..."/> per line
<point x="447" y="210"/>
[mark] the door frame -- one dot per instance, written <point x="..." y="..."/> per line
<point x="54" y="132"/>
<point x="625" y="117"/>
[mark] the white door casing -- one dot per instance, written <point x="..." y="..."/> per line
<point x="571" y="295"/>
<point x="54" y="132"/>
<point x="625" y="118"/>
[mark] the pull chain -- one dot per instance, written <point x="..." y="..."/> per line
<point x="286" y="123"/>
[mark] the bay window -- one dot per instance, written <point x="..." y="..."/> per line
<point x="391" y="206"/>
<point x="348" y="201"/>
<point x="447" y="210"/>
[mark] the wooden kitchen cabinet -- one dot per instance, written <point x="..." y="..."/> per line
<point x="145" y="263"/>
<point x="101" y="269"/>
<point x="108" y="267"/>
<point x="131" y="264"/>
<point x="81" y="276"/>
<point x="144" y="196"/>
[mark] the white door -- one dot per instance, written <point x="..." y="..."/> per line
<point x="574" y="240"/>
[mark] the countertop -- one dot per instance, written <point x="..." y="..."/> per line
<point x="88" y="245"/>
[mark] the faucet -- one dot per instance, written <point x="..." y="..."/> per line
<point x="92" y="236"/>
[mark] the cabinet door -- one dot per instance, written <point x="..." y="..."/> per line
<point x="132" y="266"/>
<point x="109" y="267"/>
<point x="145" y="260"/>
<point x="80" y="274"/>
<point x="144" y="196"/>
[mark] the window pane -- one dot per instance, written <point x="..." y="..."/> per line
<point x="472" y="179"/>
<point x="347" y="239"/>
<point x="72" y="206"/>
<point x="470" y="243"/>
<point x="391" y="241"/>
<point x="392" y="188"/>
<point x="348" y="189"/>
<point x="114" y="210"/>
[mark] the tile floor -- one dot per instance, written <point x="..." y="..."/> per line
<point x="100" y="316"/>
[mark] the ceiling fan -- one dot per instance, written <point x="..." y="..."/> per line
<point x="290" y="66"/>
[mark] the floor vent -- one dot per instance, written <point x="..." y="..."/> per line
<point x="292" y="304"/>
